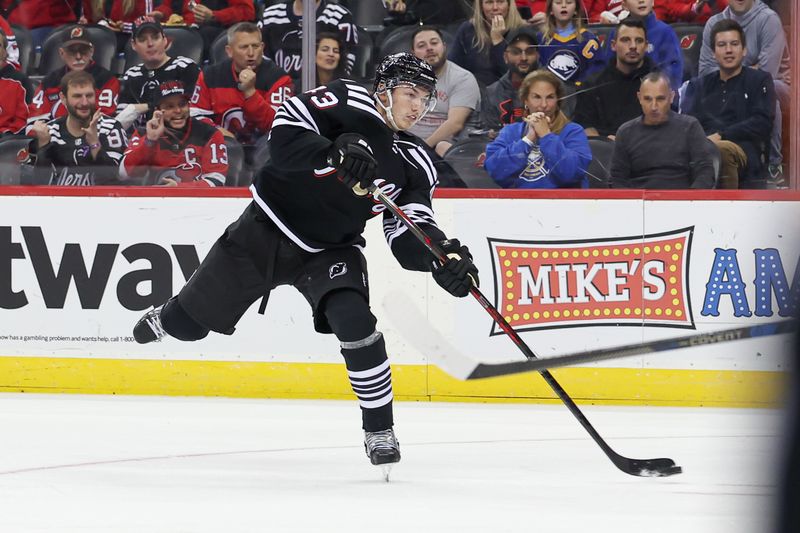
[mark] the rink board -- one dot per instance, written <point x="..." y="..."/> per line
<point x="571" y="271"/>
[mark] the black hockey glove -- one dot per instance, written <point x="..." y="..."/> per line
<point x="352" y="157"/>
<point x="458" y="274"/>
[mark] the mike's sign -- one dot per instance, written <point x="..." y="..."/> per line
<point x="631" y="280"/>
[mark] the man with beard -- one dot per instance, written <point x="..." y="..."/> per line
<point x="608" y="99"/>
<point x="140" y="84"/>
<point x="243" y="93"/>
<point x="176" y="149"/>
<point x="502" y="104"/>
<point x="457" y="92"/>
<point x="84" y="147"/>
<point x="76" y="52"/>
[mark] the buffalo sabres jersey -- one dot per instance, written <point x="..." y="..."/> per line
<point x="572" y="58"/>
<point x="300" y="192"/>
<point x="140" y="84"/>
<point x="282" y="32"/>
<point x="69" y="160"/>
<point x="198" y="159"/>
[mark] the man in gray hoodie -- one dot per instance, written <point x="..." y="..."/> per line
<point x="766" y="50"/>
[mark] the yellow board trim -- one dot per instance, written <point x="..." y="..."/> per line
<point x="607" y="386"/>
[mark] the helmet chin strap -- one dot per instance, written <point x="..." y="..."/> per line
<point x="387" y="110"/>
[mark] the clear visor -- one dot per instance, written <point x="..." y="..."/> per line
<point x="427" y="101"/>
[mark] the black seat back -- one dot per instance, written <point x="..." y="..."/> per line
<point x="599" y="171"/>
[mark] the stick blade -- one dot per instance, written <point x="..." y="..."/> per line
<point x="661" y="467"/>
<point x="414" y="326"/>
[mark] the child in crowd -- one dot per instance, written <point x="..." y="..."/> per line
<point x="568" y="49"/>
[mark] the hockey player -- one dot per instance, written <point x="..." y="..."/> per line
<point x="304" y="229"/>
<point x="76" y="51"/>
<point x="141" y="82"/>
<point x="176" y="149"/>
<point x="242" y="93"/>
<point x="84" y="147"/>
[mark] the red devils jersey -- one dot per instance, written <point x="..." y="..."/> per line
<point x="301" y="194"/>
<point x="140" y="84"/>
<point x="15" y="90"/>
<point x="46" y="104"/>
<point x="198" y="159"/>
<point x="282" y="32"/>
<point x="218" y="96"/>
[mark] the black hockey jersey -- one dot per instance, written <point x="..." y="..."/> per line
<point x="139" y="84"/>
<point x="282" y="32"/>
<point x="302" y="195"/>
<point x="69" y="160"/>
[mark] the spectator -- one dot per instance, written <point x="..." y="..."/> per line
<point x="12" y="49"/>
<point x="281" y="29"/>
<point x="242" y="93"/>
<point x="457" y="92"/>
<point x="16" y="90"/>
<point x="693" y="11"/>
<point x="330" y="48"/>
<point x="502" y="104"/>
<point x="176" y="149"/>
<point x="116" y="15"/>
<point x="480" y="42"/>
<point x="83" y="147"/>
<point x="735" y="106"/>
<point x="76" y="52"/>
<point x="661" y="149"/>
<point x="40" y="16"/>
<point x="140" y="84"/>
<point x="608" y="99"/>
<point x="767" y="51"/>
<point x="426" y="12"/>
<point x="566" y="48"/>
<point x="546" y="150"/>
<point x="605" y="11"/>
<point x="662" y="43"/>
<point x="212" y="17"/>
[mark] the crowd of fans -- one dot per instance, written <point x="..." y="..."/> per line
<point x="541" y="88"/>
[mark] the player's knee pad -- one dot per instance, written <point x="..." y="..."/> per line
<point x="348" y="314"/>
<point x="177" y="322"/>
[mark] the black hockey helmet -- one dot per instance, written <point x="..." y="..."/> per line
<point x="404" y="68"/>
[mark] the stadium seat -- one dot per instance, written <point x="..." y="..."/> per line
<point x="185" y="42"/>
<point x="466" y="158"/>
<point x="602" y="31"/>
<point x="217" y="53"/>
<point x="103" y="39"/>
<point x="369" y="13"/>
<point x="364" y="67"/>
<point x="690" y="37"/>
<point x="235" y="162"/>
<point x="599" y="171"/>
<point x="14" y="154"/>
<point x="25" y="45"/>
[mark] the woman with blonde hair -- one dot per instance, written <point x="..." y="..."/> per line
<point x="480" y="41"/>
<point x="545" y="150"/>
<point x="567" y="48"/>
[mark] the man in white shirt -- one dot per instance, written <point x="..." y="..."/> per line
<point x="457" y="93"/>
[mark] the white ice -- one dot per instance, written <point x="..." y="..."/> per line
<point x="72" y="463"/>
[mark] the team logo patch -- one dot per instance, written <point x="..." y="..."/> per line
<point x="638" y="280"/>
<point x="76" y="33"/>
<point x="687" y="41"/>
<point x="337" y="269"/>
<point x="564" y="64"/>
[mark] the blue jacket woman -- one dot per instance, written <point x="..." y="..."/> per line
<point x="546" y="150"/>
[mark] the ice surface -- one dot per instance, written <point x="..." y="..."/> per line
<point x="72" y="463"/>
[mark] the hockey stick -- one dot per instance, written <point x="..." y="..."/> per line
<point x="636" y="467"/>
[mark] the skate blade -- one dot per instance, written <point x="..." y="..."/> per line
<point x="386" y="469"/>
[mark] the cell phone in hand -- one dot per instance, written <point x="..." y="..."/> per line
<point x="525" y="12"/>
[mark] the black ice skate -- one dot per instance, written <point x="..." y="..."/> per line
<point x="382" y="449"/>
<point x="148" y="328"/>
